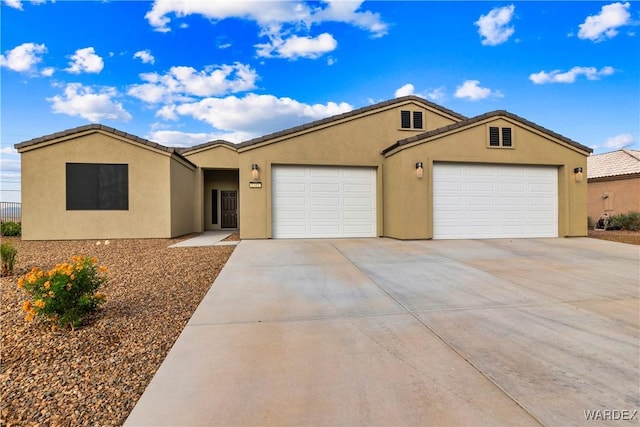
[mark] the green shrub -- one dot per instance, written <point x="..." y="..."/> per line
<point x="65" y="294"/>
<point x="626" y="221"/>
<point x="8" y="255"/>
<point x="10" y="228"/>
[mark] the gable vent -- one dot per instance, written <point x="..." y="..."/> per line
<point x="494" y="136"/>
<point x="506" y="137"/>
<point x="405" y="119"/>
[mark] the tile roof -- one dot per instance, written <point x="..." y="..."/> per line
<point x="186" y="150"/>
<point x="496" y="113"/>
<point x="615" y="163"/>
<point x="350" y="114"/>
<point x="94" y="126"/>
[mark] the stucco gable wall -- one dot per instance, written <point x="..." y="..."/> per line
<point x="44" y="186"/>
<point x="216" y="157"/>
<point x="354" y="142"/>
<point x="470" y="144"/>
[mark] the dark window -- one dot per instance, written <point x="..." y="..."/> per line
<point x="506" y="137"/>
<point x="494" y="137"/>
<point x="417" y="119"/>
<point x="96" y="186"/>
<point x="214" y="206"/>
<point x="405" y="119"/>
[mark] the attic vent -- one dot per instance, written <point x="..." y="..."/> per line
<point x="494" y="137"/>
<point x="406" y="117"/>
<point x="506" y="137"/>
<point x="417" y="119"/>
<point x="500" y="137"/>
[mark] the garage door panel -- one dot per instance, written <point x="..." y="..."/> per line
<point x="338" y="201"/>
<point x="326" y="202"/>
<point x="325" y="187"/>
<point x="494" y="201"/>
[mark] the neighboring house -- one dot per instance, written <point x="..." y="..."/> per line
<point x="613" y="183"/>
<point x="405" y="168"/>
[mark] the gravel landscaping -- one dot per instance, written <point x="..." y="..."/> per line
<point x="96" y="374"/>
<point x="621" y="236"/>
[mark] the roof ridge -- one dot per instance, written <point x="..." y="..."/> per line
<point x="632" y="153"/>
<point x="481" y="117"/>
<point x="347" y="114"/>
<point x="97" y="127"/>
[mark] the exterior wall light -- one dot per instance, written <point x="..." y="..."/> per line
<point x="255" y="172"/>
<point x="578" y="174"/>
<point x="419" y="170"/>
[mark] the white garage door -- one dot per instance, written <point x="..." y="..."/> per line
<point x="318" y="201"/>
<point x="494" y="201"/>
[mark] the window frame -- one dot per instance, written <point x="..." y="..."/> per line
<point x="107" y="184"/>
<point x="500" y="132"/>
<point x="410" y="116"/>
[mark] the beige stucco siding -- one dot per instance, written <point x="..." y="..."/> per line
<point x="216" y="156"/>
<point x="182" y="196"/>
<point x="622" y="196"/>
<point x="349" y="143"/>
<point x="44" y="200"/>
<point x="409" y="200"/>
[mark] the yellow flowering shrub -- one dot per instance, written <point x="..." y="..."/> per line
<point x="66" y="293"/>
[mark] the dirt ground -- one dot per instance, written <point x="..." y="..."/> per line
<point x="622" y="236"/>
<point x="96" y="374"/>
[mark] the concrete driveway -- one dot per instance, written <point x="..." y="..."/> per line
<point x="385" y="332"/>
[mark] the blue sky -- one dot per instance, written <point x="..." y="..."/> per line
<point x="183" y="72"/>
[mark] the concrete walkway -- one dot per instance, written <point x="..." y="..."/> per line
<point x="383" y="332"/>
<point x="208" y="238"/>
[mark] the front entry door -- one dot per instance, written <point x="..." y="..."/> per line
<point x="229" y="202"/>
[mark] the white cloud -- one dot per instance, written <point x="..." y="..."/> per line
<point x="471" y="90"/>
<point x="85" y="61"/>
<point x="8" y="150"/>
<point x="16" y="4"/>
<point x="23" y="58"/>
<point x="437" y="95"/>
<point x="145" y="56"/>
<point x="282" y="22"/>
<point x="558" y="76"/>
<point x="83" y="101"/>
<point x="619" y="141"/>
<point x="181" y="82"/>
<point x="48" y="71"/>
<point x="297" y="47"/>
<point x="407" y="89"/>
<point x="176" y="138"/>
<point x="604" y="25"/>
<point x="349" y="12"/>
<point x="256" y="114"/>
<point x="493" y="27"/>
<point x="268" y="14"/>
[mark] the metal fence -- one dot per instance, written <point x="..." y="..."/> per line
<point x="10" y="212"/>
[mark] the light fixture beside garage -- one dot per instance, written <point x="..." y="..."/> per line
<point x="578" y="174"/>
<point x="419" y="170"/>
<point x="255" y="172"/>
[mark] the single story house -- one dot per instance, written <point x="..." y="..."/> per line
<point x="405" y="168"/>
<point x="613" y="183"/>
